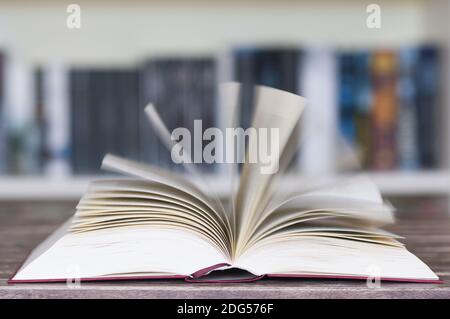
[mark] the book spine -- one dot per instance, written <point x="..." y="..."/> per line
<point x="384" y="116"/>
<point x="427" y="80"/>
<point x="408" y="151"/>
<point x="57" y="122"/>
<point x="182" y="91"/>
<point x="169" y="94"/>
<point x="245" y="73"/>
<point x="20" y="116"/>
<point x="148" y="91"/>
<point x="225" y="107"/>
<point x="276" y="68"/>
<point x="37" y="141"/>
<point x="273" y="67"/>
<point x="209" y="99"/>
<point x="363" y="107"/>
<point x="318" y="126"/>
<point x="128" y="113"/>
<point x="347" y="98"/>
<point x="106" y="124"/>
<point x="80" y="91"/>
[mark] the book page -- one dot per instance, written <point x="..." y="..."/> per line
<point x="332" y="257"/>
<point x="155" y="174"/>
<point x="131" y="256"/>
<point x="274" y="109"/>
<point x="125" y="203"/>
<point x="358" y="195"/>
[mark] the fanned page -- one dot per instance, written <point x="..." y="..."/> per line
<point x="331" y="232"/>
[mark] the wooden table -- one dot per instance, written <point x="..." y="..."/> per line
<point x="23" y="226"/>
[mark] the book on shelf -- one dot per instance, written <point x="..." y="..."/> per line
<point x="183" y="90"/>
<point x="384" y="119"/>
<point x="407" y="134"/>
<point x="21" y="115"/>
<point x="355" y="102"/>
<point x="56" y="109"/>
<point x="428" y="99"/>
<point x="104" y="115"/>
<point x="274" y="67"/>
<point x="277" y="67"/>
<point x="318" y="127"/>
<point x="158" y="224"/>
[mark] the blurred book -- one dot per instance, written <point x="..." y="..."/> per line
<point x="274" y="67"/>
<point x="56" y="108"/>
<point x="182" y="90"/>
<point x="104" y="116"/>
<point x="318" y="125"/>
<point x="428" y="115"/>
<point x="384" y="119"/>
<point x="22" y="116"/>
<point x="407" y="133"/>
<point x="355" y="102"/>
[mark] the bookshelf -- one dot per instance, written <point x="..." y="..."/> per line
<point x="120" y="34"/>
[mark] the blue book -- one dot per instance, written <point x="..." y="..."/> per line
<point x="427" y="81"/>
<point x="408" y="151"/>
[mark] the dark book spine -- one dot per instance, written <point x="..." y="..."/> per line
<point x="363" y="107"/>
<point x="427" y="81"/>
<point x="81" y="135"/>
<point x="274" y="67"/>
<point x="105" y="119"/>
<point x="347" y="96"/>
<point x="245" y="73"/>
<point x="384" y="116"/>
<point x="149" y="88"/>
<point x="277" y="68"/>
<point x="127" y="90"/>
<point x="209" y="100"/>
<point x="106" y="124"/>
<point x="182" y="91"/>
<point x="40" y="129"/>
<point x="202" y="72"/>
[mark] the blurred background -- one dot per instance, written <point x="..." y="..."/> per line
<point x="70" y="95"/>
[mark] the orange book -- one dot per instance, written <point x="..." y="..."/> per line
<point x="384" y="112"/>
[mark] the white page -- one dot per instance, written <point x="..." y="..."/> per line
<point x="274" y="109"/>
<point x="171" y="252"/>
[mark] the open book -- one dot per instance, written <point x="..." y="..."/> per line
<point x="158" y="224"/>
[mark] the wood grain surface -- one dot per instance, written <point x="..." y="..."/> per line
<point x="24" y="225"/>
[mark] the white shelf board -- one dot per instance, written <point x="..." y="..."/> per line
<point x="71" y="188"/>
<point x="26" y="188"/>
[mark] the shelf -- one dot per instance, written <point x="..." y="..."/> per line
<point x="71" y="188"/>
